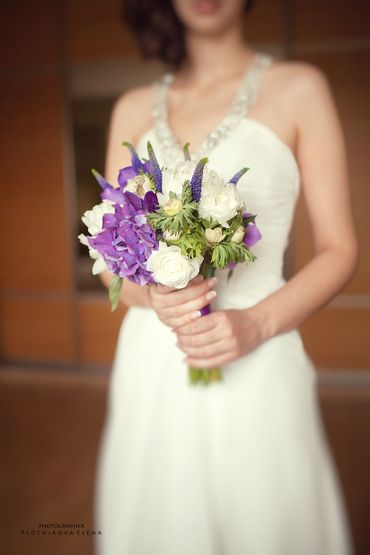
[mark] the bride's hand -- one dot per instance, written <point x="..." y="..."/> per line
<point x="177" y="307"/>
<point x="221" y="337"/>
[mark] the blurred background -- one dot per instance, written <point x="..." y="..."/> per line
<point x="63" y="63"/>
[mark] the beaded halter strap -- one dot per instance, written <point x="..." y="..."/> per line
<point x="243" y="101"/>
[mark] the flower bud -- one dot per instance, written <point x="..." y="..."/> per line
<point x="214" y="235"/>
<point x="238" y="235"/>
<point x="168" y="236"/>
<point x="172" y="206"/>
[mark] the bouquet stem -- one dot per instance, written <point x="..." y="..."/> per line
<point x="205" y="375"/>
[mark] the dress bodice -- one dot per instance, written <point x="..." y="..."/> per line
<point x="269" y="189"/>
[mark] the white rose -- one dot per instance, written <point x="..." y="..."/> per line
<point x="93" y="219"/>
<point x="99" y="264"/>
<point x="214" y="235"/>
<point x="211" y="180"/>
<point x="238" y="234"/>
<point x="221" y="203"/>
<point x="140" y="184"/>
<point x="171" y="268"/>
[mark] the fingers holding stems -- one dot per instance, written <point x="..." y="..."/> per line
<point x="177" y="307"/>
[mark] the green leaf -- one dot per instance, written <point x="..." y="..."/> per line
<point x="114" y="291"/>
<point x="187" y="194"/>
<point x="186" y="151"/>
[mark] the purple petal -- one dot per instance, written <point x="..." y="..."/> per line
<point x="232" y="265"/>
<point x="135" y="160"/>
<point x="148" y="167"/>
<point x="125" y="174"/>
<point x="101" y="180"/>
<point x="133" y="200"/>
<point x="252" y="235"/>
<point x="150" y="201"/>
<point x="109" y="220"/>
<point x="114" y="195"/>
<point x="205" y="310"/>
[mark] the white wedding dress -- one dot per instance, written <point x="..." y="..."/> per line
<point x="240" y="467"/>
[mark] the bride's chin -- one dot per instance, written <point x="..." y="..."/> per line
<point x="208" y="17"/>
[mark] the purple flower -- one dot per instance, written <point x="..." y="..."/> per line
<point x="252" y="235"/>
<point x="125" y="174"/>
<point x="238" y="175"/>
<point x="136" y="163"/>
<point x="127" y="240"/>
<point x="196" y="180"/>
<point x="129" y="172"/>
<point x="156" y="170"/>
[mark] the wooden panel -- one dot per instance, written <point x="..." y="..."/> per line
<point x="39" y="330"/>
<point x="335" y="19"/>
<point x="264" y="22"/>
<point x="95" y="30"/>
<point x="338" y="338"/>
<point x="351" y="86"/>
<point x="33" y="217"/>
<point x="99" y="329"/>
<point x="29" y="33"/>
<point x="346" y="412"/>
<point x="51" y="424"/>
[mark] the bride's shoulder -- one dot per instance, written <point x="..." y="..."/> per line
<point x="298" y="79"/>
<point x="132" y="110"/>
<point x="134" y="101"/>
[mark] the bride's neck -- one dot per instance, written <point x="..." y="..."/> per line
<point x="211" y="57"/>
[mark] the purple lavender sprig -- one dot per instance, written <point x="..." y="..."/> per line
<point x="156" y="170"/>
<point x="197" y="178"/>
<point x="238" y="175"/>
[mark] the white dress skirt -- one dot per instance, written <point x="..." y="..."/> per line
<point x="240" y="467"/>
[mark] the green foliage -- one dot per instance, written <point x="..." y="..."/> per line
<point x="192" y="243"/>
<point x="223" y="253"/>
<point x="114" y="291"/>
<point x="187" y="195"/>
<point x="183" y="220"/>
<point x="191" y="232"/>
<point x="186" y="152"/>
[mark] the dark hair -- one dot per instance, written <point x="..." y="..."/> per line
<point x="158" y="30"/>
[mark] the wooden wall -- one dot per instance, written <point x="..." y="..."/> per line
<point x="37" y="274"/>
<point x="44" y="318"/>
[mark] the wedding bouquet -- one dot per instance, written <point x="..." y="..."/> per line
<point x="167" y="225"/>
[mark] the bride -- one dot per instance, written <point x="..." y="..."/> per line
<point x="241" y="466"/>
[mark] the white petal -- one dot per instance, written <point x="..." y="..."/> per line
<point x="99" y="266"/>
<point x="83" y="239"/>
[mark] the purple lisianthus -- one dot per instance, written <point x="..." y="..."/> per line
<point x="252" y="235"/>
<point x="129" y="172"/>
<point x="127" y="240"/>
